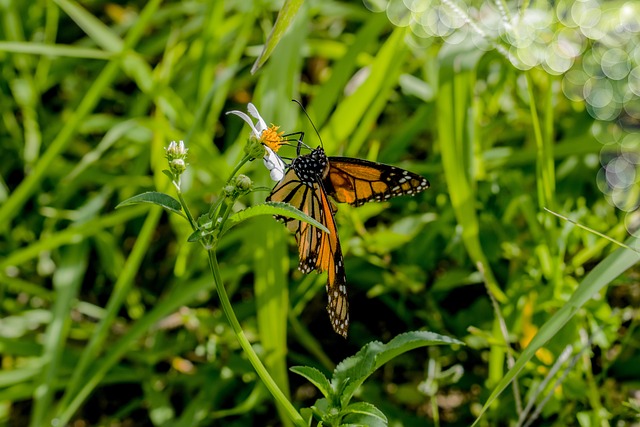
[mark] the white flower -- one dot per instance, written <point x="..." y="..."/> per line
<point x="256" y="129"/>
<point x="274" y="164"/>
<point x="270" y="139"/>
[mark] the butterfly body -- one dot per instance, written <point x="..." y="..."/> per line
<point x="307" y="183"/>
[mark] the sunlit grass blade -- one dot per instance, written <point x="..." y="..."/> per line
<point x="285" y="17"/>
<point x="71" y="235"/>
<point x="54" y="50"/>
<point x="603" y="274"/>
<point x="321" y="106"/>
<point x="351" y="111"/>
<point x="95" y="28"/>
<point x="591" y="230"/>
<point x="18" y="198"/>
<point x="456" y="143"/>
<point x="271" y="263"/>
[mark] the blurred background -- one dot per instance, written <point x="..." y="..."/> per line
<point x="109" y="317"/>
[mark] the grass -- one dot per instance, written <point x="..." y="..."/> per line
<point x="110" y="317"/>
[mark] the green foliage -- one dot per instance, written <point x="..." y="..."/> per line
<point x="155" y="198"/>
<point x="335" y="408"/>
<point x="112" y="316"/>
<point x="272" y="208"/>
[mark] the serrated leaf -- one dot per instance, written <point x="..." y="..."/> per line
<point x="155" y="198"/>
<point x="315" y="377"/>
<point x="283" y="22"/>
<point x="354" y="370"/>
<point x="271" y="208"/>
<point x="364" y="413"/>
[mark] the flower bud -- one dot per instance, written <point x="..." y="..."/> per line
<point x="177" y="166"/>
<point x="176" y="154"/>
<point x="243" y="183"/>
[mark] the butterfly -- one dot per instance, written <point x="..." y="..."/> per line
<point x="307" y="184"/>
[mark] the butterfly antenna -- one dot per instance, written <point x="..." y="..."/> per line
<point x="310" y="121"/>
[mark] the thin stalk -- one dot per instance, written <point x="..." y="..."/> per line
<point x="213" y="211"/>
<point x="546" y="187"/>
<point x="244" y="160"/>
<point x="194" y="225"/>
<point x="246" y="345"/>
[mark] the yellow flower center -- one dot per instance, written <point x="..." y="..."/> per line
<point x="272" y="138"/>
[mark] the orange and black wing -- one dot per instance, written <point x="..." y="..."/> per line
<point x="357" y="181"/>
<point x="318" y="250"/>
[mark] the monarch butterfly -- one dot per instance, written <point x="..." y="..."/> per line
<point x="307" y="183"/>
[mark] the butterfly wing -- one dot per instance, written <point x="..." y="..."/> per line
<point x="319" y="250"/>
<point x="357" y="181"/>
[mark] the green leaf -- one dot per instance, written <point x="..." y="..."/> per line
<point x="196" y="236"/>
<point x="603" y="274"/>
<point x="364" y="413"/>
<point x="155" y="198"/>
<point x="169" y="174"/>
<point x="315" y="377"/>
<point x="354" y="370"/>
<point x="283" y="22"/>
<point x="271" y="208"/>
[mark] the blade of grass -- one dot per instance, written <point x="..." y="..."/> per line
<point x="271" y="263"/>
<point x="330" y="92"/>
<point x="66" y="283"/>
<point x="180" y="295"/>
<point x="591" y="230"/>
<point x="120" y="291"/>
<point x="545" y="165"/>
<point x="18" y="198"/>
<point x="54" y="50"/>
<point x="283" y="22"/>
<point x="24" y="89"/>
<point x="96" y="29"/>
<point x="279" y="81"/>
<point x="71" y="235"/>
<point x="345" y="119"/>
<point x="456" y="143"/>
<point x="603" y="274"/>
<point x="387" y="82"/>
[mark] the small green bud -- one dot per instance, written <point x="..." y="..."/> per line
<point x="243" y="183"/>
<point x="176" y="156"/>
<point x="177" y="166"/>
<point x="229" y="190"/>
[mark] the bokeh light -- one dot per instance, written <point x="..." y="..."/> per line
<point x="593" y="47"/>
<point x="376" y="6"/>
<point x="632" y="222"/>
<point x="398" y="13"/>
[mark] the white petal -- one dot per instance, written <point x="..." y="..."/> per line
<point x="247" y="119"/>
<point x="254" y="112"/>
<point x="274" y="164"/>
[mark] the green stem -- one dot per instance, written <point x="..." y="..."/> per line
<point x="546" y="183"/>
<point x="228" y="309"/>
<point x="194" y="225"/>
<point x="246" y="345"/>
<point x="244" y="160"/>
<point x="214" y="209"/>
